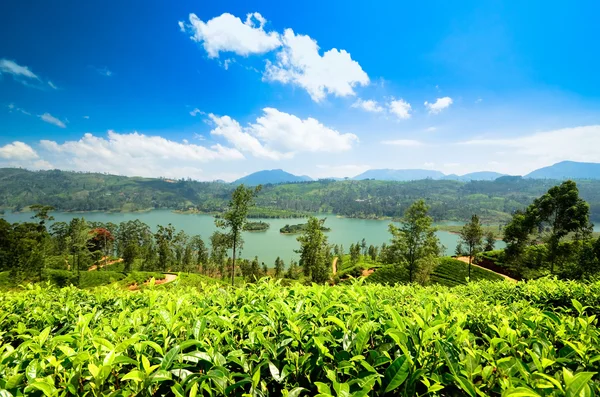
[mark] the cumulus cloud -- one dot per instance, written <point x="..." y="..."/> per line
<point x="227" y="33"/>
<point x="11" y="67"/>
<point x="368" y="105"/>
<point x="439" y="105"/>
<point x="403" y="142"/>
<point x="48" y="118"/>
<point x="300" y="63"/>
<point x="400" y="108"/>
<point x="18" y="151"/>
<point x="135" y="154"/>
<point x="277" y="135"/>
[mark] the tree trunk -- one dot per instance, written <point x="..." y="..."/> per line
<point x="233" y="265"/>
<point x="470" y="259"/>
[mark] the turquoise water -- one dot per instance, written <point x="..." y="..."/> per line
<point x="266" y="245"/>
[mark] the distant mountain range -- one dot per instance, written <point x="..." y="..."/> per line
<point x="567" y="170"/>
<point x="562" y="170"/>
<point x="270" y="176"/>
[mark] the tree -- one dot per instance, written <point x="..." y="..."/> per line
<point x="490" y="241"/>
<point x="292" y="272"/>
<point x="354" y="253"/>
<point x="254" y="270"/>
<point x="41" y="213"/>
<point x="373" y="252"/>
<point x="130" y="253"/>
<point x="363" y="245"/>
<point x="201" y="253"/>
<point x="236" y="217"/>
<point x="414" y="243"/>
<point x="554" y="215"/>
<point x="471" y="235"/>
<point x="278" y="267"/>
<point x="459" y="250"/>
<point x="265" y="270"/>
<point x="164" y="239"/>
<point x="564" y="212"/>
<point x="219" y="244"/>
<point x="314" y="251"/>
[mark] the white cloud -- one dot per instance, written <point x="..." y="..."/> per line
<point x="11" y="67"/>
<point x="18" y="151"/>
<point x="277" y="135"/>
<point x="48" y="118"/>
<point x="545" y="148"/>
<point x="439" y="105"/>
<point x="431" y="129"/>
<point x="368" y="105"/>
<point x="103" y="71"/>
<point x="300" y="63"/>
<point x="227" y="33"/>
<point x="451" y="165"/>
<point x="135" y="154"/>
<point x="12" y="107"/>
<point x="479" y="100"/>
<point x="429" y="165"/>
<point x="400" y="108"/>
<point x="403" y="142"/>
<point x="86" y="117"/>
<point x="233" y="132"/>
<point x="51" y="84"/>
<point x="196" y="112"/>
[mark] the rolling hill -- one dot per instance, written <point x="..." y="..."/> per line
<point x="266" y="177"/>
<point x="399" y="175"/>
<point x="566" y="170"/>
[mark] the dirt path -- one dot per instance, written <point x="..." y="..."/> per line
<point x="334" y="266"/>
<point x="168" y="278"/>
<point x="95" y="267"/>
<point x="465" y="259"/>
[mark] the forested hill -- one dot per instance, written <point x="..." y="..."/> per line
<point x="494" y="201"/>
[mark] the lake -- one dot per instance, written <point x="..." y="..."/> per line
<point x="266" y="245"/>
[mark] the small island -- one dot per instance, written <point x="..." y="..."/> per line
<point x="257" y="226"/>
<point x="299" y="228"/>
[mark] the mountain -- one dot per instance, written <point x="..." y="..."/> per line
<point x="475" y="176"/>
<point x="566" y="170"/>
<point x="399" y="175"/>
<point x="266" y="177"/>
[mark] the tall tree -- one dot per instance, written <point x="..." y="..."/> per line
<point x="554" y="215"/>
<point x="414" y="243"/>
<point x="490" y="241"/>
<point x="314" y="251"/>
<point x="564" y="212"/>
<point x="130" y="253"/>
<point x="201" y="253"/>
<point x="164" y="239"/>
<point x="471" y="235"/>
<point x="278" y="267"/>
<point x="236" y="217"/>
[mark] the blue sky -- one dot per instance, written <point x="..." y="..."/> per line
<point x="216" y="90"/>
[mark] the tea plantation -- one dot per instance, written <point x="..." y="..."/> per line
<point x="487" y="338"/>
